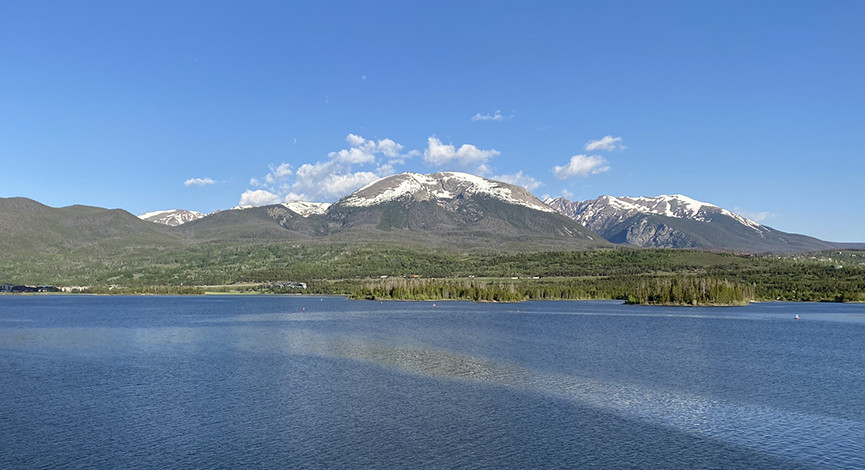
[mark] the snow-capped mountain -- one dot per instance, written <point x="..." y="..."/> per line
<point x="306" y="209"/>
<point x="604" y="212"/>
<point x="172" y="217"/>
<point x="677" y="221"/>
<point x="454" y="209"/>
<point x="443" y="187"/>
<point x="302" y="208"/>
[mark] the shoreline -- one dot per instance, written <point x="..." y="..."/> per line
<point x="349" y="297"/>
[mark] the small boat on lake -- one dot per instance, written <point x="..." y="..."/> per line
<point x="796" y="317"/>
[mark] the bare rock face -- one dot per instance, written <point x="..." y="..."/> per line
<point x="660" y="236"/>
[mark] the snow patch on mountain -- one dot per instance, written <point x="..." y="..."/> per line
<point x="606" y="210"/>
<point x="306" y="209"/>
<point x="440" y="187"/>
<point x="302" y="208"/>
<point x="172" y="217"/>
<point x="683" y="207"/>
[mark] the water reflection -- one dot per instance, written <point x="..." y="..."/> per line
<point x="810" y="438"/>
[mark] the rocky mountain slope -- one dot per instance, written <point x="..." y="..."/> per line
<point x="678" y="221"/>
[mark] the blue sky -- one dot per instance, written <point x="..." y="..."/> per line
<point x="758" y="107"/>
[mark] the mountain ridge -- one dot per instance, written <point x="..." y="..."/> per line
<point x="439" y="208"/>
<point x="172" y="217"/>
<point x="677" y="221"/>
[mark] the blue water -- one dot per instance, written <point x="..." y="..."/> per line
<point x="299" y="382"/>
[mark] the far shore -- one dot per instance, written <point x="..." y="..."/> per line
<point x="349" y="297"/>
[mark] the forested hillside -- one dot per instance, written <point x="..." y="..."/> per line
<point x="367" y="270"/>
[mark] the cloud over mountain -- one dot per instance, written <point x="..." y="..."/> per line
<point x="258" y="197"/>
<point x="519" y="179"/>
<point x="332" y="178"/>
<point x="467" y="157"/>
<point x="581" y="165"/>
<point x="365" y="161"/>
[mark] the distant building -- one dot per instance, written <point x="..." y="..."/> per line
<point x="74" y="288"/>
<point x="9" y="288"/>
<point x="24" y="289"/>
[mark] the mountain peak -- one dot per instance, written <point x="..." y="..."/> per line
<point x="607" y="209"/>
<point x="438" y="187"/>
<point x="683" y="207"/>
<point x="678" y="221"/>
<point x="172" y="217"/>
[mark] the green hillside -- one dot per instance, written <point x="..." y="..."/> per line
<point x="486" y="253"/>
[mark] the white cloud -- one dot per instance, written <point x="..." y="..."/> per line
<point x="353" y="155"/>
<point x="389" y="148"/>
<point x="337" y="185"/>
<point x="386" y="169"/>
<point x="198" y="182"/>
<point x="355" y="140"/>
<point x="607" y="143"/>
<point x="259" y="197"/>
<point x="310" y="175"/>
<point x="497" y="116"/>
<point x="386" y="147"/>
<point x="277" y="174"/>
<point x="755" y="216"/>
<point x="365" y="151"/>
<point x="581" y="165"/>
<point x="329" y="180"/>
<point x="466" y="157"/>
<point x="520" y="179"/>
<point x="291" y="196"/>
<point x="283" y="171"/>
<point x="332" y="178"/>
<point x="567" y="194"/>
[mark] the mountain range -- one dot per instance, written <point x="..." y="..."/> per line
<point x="454" y="209"/>
<point x="448" y="209"/>
<point x="678" y="221"/>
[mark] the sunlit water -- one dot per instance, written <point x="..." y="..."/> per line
<point x="299" y="382"/>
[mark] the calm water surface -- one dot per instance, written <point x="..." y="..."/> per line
<point x="299" y="382"/>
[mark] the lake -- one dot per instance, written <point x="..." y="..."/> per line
<point x="303" y="382"/>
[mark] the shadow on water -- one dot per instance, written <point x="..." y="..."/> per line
<point x="383" y="407"/>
